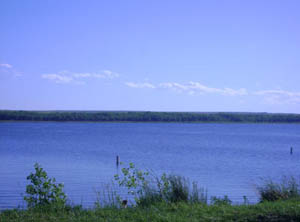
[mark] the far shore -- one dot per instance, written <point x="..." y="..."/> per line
<point x="146" y="117"/>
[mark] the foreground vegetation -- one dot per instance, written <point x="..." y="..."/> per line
<point x="167" y="198"/>
<point x="268" y="211"/>
<point x="106" y="116"/>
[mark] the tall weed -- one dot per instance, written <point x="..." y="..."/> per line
<point x="148" y="189"/>
<point x="287" y="188"/>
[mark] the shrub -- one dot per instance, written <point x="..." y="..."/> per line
<point x="43" y="191"/>
<point x="220" y="201"/>
<point x="288" y="188"/>
<point x="134" y="180"/>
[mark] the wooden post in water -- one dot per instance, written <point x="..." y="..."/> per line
<point x="291" y="150"/>
<point x="117" y="160"/>
<point x="124" y="203"/>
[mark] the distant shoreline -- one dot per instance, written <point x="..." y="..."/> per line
<point x="140" y="122"/>
<point x="146" y="117"/>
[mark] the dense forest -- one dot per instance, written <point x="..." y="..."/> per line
<point x="133" y="116"/>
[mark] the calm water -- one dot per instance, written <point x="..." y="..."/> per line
<point x="227" y="159"/>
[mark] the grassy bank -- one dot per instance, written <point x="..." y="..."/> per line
<point x="288" y="210"/>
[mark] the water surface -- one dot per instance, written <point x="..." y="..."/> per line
<point x="227" y="159"/>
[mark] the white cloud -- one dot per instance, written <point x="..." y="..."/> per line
<point x="73" y="77"/>
<point x="190" y="88"/>
<point x="232" y="92"/>
<point x="105" y="74"/>
<point x="5" y="65"/>
<point x="110" y="74"/>
<point x="225" y="91"/>
<point x="277" y="97"/>
<point x="273" y="97"/>
<point x="140" y="85"/>
<point x="81" y="75"/>
<point x="58" y="78"/>
<point x="277" y="92"/>
<point x="8" y="69"/>
<point x="173" y="85"/>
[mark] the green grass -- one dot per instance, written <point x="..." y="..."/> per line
<point x="288" y="210"/>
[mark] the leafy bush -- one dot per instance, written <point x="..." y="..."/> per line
<point x="43" y="191"/>
<point x="288" y="188"/>
<point x="134" y="180"/>
<point x="220" y="201"/>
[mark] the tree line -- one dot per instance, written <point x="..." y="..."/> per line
<point x="133" y="116"/>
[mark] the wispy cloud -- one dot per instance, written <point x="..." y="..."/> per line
<point x="274" y="97"/>
<point x="5" y="65"/>
<point x="58" y="78"/>
<point x="110" y="74"/>
<point x="190" y="88"/>
<point x="196" y="87"/>
<point x="105" y="74"/>
<point x="279" y="96"/>
<point x="8" y="69"/>
<point x="77" y="78"/>
<point x="140" y="85"/>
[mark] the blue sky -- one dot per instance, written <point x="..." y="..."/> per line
<point x="150" y="55"/>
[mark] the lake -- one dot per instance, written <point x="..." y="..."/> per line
<point x="226" y="159"/>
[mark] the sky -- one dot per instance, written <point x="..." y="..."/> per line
<point x="150" y="55"/>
